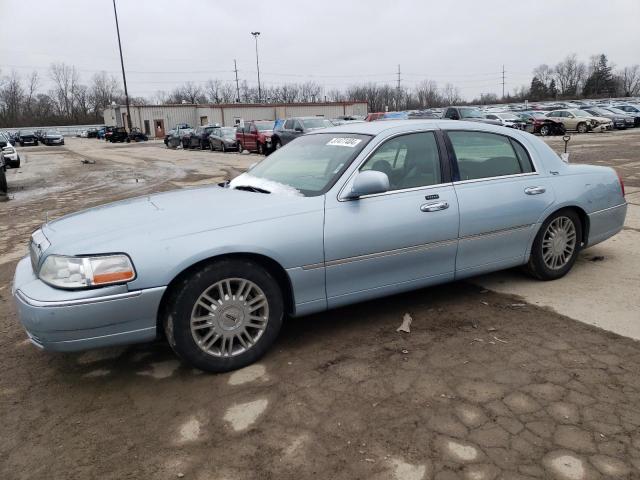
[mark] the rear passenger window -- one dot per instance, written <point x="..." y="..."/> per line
<point x="409" y="161"/>
<point x="485" y="155"/>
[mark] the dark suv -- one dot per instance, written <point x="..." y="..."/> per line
<point x="468" y="114"/>
<point x="27" y="137"/>
<point x="294" y="127"/>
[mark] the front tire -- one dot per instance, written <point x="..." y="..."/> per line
<point x="556" y="246"/>
<point x="240" y="147"/>
<point x="582" y="127"/>
<point x="544" y="130"/>
<point x="224" y="316"/>
<point x="260" y="149"/>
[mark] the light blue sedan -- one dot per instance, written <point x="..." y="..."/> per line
<point x="338" y="216"/>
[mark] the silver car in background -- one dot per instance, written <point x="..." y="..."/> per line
<point x="338" y="216"/>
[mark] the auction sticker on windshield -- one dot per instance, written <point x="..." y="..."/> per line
<point x="344" y="142"/>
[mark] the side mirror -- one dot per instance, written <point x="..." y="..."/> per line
<point x="368" y="183"/>
<point x="455" y="116"/>
<point x="299" y="129"/>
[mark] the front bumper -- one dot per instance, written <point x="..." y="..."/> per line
<point x="61" y="320"/>
<point x="54" y="141"/>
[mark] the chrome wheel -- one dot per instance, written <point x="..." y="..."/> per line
<point x="229" y="317"/>
<point x="559" y="243"/>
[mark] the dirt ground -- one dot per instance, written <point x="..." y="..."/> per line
<point x="486" y="386"/>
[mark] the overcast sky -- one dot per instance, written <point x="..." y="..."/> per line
<point x="335" y="43"/>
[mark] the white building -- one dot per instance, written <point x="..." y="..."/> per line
<point x="156" y="120"/>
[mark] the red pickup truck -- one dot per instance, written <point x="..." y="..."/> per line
<point x="255" y="136"/>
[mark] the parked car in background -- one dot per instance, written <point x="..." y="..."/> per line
<point x="619" y="121"/>
<point x="107" y="132"/>
<point x="52" y="137"/>
<point x="84" y="134"/>
<point x="470" y="114"/>
<point x="538" y="122"/>
<point x="27" y="137"/>
<point x="9" y="152"/>
<point x="198" y="138"/>
<point x="223" y="139"/>
<point x="631" y="120"/>
<point x="136" y="135"/>
<point x="335" y="217"/>
<point x="633" y="110"/>
<point x="508" y="119"/>
<point x="100" y="133"/>
<point x="39" y="135"/>
<point x="173" y="139"/>
<point x="373" y="116"/>
<point x="92" y="132"/>
<point x="294" y="127"/>
<point x="256" y="136"/>
<point x="580" y="120"/>
<point x="118" y="134"/>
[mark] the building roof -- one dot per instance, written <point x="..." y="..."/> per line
<point x="245" y="105"/>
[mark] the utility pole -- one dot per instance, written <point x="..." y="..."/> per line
<point x="398" y="90"/>
<point x="124" y="77"/>
<point x="503" y="81"/>
<point x="235" y="68"/>
<point x="255" y="35"/>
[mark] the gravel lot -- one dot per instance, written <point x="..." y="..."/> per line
<point x="486" y="386"/>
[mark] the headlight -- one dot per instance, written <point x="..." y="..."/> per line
<point x="9" y="150"/>
<point x="81" y="272"/>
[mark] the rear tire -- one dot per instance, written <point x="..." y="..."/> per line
<point x="278" y="144"/>
<point x="223" y="148"/>
<point x="224" y="316"/>
<point x="260" y="148"/>
<point x="556" y="246"/>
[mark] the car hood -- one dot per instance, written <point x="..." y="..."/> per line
<point x="167" y="215"/>
<point x="53" y="136"/>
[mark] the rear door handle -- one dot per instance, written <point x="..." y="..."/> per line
<point x="434" y="207"/>
<point x="534" y="190"/>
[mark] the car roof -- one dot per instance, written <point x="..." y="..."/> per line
<point x="380" y="126"/>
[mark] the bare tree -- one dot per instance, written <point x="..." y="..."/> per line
<point x="192" y="93"/>
<point x="213" y="91"/>
<point x="104" y="90"/>
<point x="452" y="94"/>
<point x="428" y="95"/>
<point x="65" y="79"/>
<point x="630" y="80"/>
<point x="544" y="73"/>
<point x="11" y="98"/>
<point x="570" y="73"/>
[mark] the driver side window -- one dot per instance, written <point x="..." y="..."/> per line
<point x="409" y="161"/>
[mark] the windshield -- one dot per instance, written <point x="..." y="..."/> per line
<point x="53" y="132"/>
<point x="26" y="132"/>
<point x="309" y="165"/>
<point x="263" y="126"/>
<point x="617" y="111"/>
<point x="228" y="132"/>
<point x="316" y="123"/>
<point x="208" y="129"/>
<point x="580" y="113"/>
<point x="471" y="113"/>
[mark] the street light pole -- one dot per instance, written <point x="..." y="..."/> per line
<point x="124" y="78"/>
<point x="255" y="35"/>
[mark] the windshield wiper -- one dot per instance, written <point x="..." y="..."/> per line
<point x="251" y="188"/>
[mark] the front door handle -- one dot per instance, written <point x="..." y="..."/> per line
<point x="434" y="207"/>
<point x="534" y="190"/>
